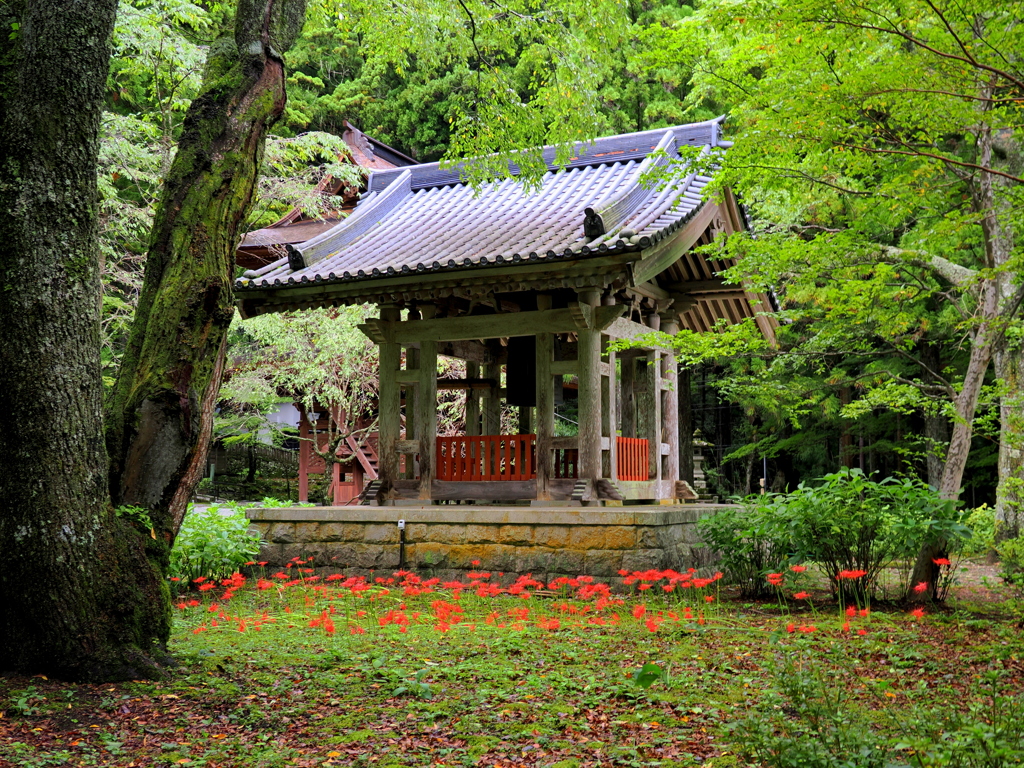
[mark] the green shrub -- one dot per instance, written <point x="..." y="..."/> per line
<point x="844" y="522"/>
<point x="982" y="524"/>
<point x="749" y="542"/>
<point x="213" y="542"/>
<point x="849" y="522"/>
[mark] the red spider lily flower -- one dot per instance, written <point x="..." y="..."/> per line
<point x="262" y="562"/>
<point x="917" y="613"/>
<point x="851" y="574"/>
<point x="846" y="626"/>
<point x="175" y="578"/>
<point x="709" y="598"/>
<point x="639" y="611"/>
<point x="199" y="580"/>
<point x="668" y="587"/>
<point x="250" y="562"/>
<point x="193" y="603"/>
<point x="919" y="588"/>
<point x="182" y="606"/>
<point x="200" y="628"/>
<point x="775" y="579"/>
<point x="644" y="586"/>
<point x="623" y="573"/>
<point x="862" y="631"/>
<point x="798" y="568"/>
<point x="207" y="587"/>
<point x="791" y="628"/>
<point x="652" y="625"/>
<point x="851" y="611"/>
<point x="863" y="612"/>
<point x="801" y="595"/>
<point x="474" y="562"/>
<point x="808" y="629"/>
<point x="355" y="629"/>
<point x="941" y="561"/>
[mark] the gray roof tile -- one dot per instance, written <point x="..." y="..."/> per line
<point x="422" y="218"/>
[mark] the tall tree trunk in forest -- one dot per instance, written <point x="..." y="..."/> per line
<point x="161" y="409"/>
<point x="82" y="593"/>
<point x="993" y="313"/>
<point x="1009" y="354"/>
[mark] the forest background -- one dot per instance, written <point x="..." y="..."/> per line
<point x="860" y="130"/>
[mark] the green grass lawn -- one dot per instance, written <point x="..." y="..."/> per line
<point x="309" y="672"/>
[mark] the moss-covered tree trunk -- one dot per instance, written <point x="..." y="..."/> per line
<point x="79" y="594"/>
<point x="161" y="410"/>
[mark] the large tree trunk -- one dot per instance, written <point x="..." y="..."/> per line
<point x="1009" y="363"/>
<point x="161" y="413"/>
<point x="81" y="593"/>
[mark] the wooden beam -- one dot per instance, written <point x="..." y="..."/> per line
<point x="492" y="404"/>
<point x="469" y="350"/>
<point x="564" y="368"/>
<point x="486" y="326"/>
<point x="629" y="329"/>
<point x="474" y="383"/>
<point x="667" y="252"/>
<point x="650" y="290"/>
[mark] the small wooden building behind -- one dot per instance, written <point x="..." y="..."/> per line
<point x="529" y="287"/>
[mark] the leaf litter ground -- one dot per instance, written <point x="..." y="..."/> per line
<point x="298" y="670"/>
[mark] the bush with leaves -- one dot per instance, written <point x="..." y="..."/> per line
<point x="750" y="542"/>
<point x="213" y="542"/>
<point x="847" y="522"/>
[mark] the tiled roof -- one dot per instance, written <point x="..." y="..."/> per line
<point x="422" y="218"/>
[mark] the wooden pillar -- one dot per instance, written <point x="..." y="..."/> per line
<point x="412" y="363"/>
<point x="685" y="424"/>
<point x="627" y="419"/>
<point x="389" y="405"/>
<point x="652" y="406"/>
<point x="545" y="406"/>
<point x="610" y="416"/>
<point x="589" y="355"/>
<point x="670" y="408"/>
<point x="472" y="401"/>
<point x="492" y="406"/>
<point x="426" y="408"/>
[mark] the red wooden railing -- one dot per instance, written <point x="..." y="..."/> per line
<point x="486" y="457"/>
<point x="514" y="457"/>
<point x="631" y="453"/>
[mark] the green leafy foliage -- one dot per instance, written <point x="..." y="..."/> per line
<point x="845" y="522"/>
<point x="750" y="542"/>
<point x="808" y="720"/>
<point x="213" y="542"/>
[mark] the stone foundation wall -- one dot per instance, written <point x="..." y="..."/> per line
<point x="445" y="540"/>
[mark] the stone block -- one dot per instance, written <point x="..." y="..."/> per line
<point x="602" y="537"/>
<point x="552" y="536"/>
<point x="380" y="534"/>
<point x="281" y="533"/>
<point x="306" y="533"/>
<point x="568" y="561"/>
<point x="516" y="535"/>
<point x="426" y="555"/>
<point x="481" y="534"/>
<point x="649" y="537"/>
<point x="644" y="560"/>
<point x="361" y="555"/>
<point x="341" y="532"/>
<point x="445" y="534"/>
<point x="535" y="560"/>
<point x="416" y="531"/>
<point x="603" y="563"/>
